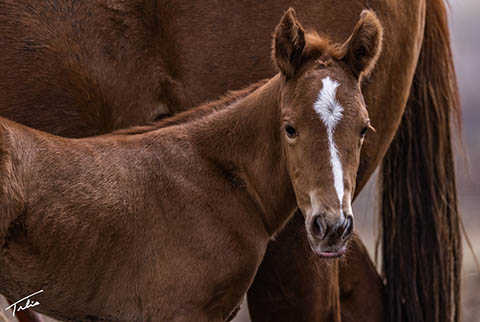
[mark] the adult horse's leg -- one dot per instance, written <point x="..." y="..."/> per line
<point x="422" y="247"/>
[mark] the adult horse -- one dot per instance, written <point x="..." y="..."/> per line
<point x="89" y="67"/>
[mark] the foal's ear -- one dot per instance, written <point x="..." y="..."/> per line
<point x="364" y="45"/>
<point x="288" y="43"/>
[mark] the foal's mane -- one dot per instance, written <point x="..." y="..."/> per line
<point x="195" y="113"/>
<point x="320" y="46"/>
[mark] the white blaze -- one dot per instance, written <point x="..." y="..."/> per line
<point x="330" y="112"/>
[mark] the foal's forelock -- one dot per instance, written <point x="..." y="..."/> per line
<point x="331" y="112"/>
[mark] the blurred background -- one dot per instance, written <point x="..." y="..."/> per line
<point x="465" y="34"/>
<point x="465" y="27"/>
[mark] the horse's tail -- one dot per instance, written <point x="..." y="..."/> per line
<point x="422" y="251"/>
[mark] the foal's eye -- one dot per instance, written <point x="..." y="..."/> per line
<point x="291" y="132"/>
<point x="364" y="131"/>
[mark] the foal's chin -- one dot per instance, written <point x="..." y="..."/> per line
<point x="330" y="251"/>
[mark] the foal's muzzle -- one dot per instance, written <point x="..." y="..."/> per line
<point x="330" y="233"/>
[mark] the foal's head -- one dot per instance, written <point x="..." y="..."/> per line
<point x="324" y="122"/>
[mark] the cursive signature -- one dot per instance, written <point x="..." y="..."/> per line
<point x="28" y="304"/>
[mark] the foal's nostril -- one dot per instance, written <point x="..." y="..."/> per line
<point x="318" y="227"/>
<point x="348" y="227"/>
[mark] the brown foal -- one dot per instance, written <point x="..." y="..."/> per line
<point x="170" y="223"/>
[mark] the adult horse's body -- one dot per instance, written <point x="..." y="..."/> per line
<point x="83" y="68"/>
<point x="171" y="223"/>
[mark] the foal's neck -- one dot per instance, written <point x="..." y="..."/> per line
<point x="244" y="140"/>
